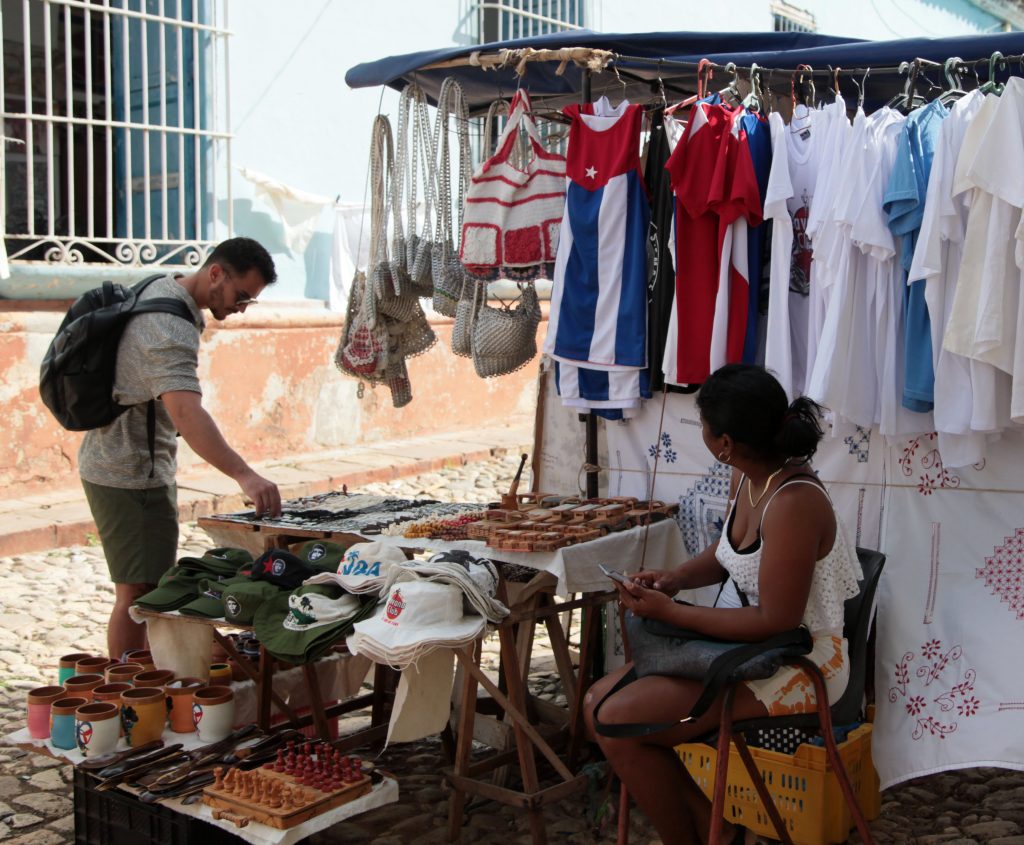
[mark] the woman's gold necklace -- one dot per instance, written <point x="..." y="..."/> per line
<point x="767" y="484"/>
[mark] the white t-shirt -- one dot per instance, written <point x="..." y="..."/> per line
<point x="998" y="169"/>
<point x="778" y="356"/>
<point x="804" y="143"/>
<point x="959" y="381"/>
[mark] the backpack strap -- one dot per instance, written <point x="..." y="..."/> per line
<point x="156" y="305"/>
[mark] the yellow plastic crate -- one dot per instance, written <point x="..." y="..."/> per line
<point x="803" y="786"/>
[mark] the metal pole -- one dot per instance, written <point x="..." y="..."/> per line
<point x="590" y="419"/>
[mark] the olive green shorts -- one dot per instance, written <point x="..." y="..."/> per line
<point x="138" y="530"/>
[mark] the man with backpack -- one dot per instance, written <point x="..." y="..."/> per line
<point x="128" y="466"/>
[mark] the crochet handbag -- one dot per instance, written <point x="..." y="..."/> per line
<point x="512" y="215"/>
<point x="505" y="338"/>
<point x="447" y="269"/>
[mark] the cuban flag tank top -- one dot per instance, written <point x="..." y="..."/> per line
<point x="599" y="296"/>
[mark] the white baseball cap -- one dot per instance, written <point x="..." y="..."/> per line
<point x="363" y="569"/>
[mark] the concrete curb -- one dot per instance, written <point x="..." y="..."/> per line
<point x="62" y="517"/>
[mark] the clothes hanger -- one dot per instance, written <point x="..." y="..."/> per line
<point x="991" y="86"/>
<point x="754" y="101"/>
<point x="732" y="89"/>
<point x="798" y="91"/>
<point x="835" y="82"/>
<point x="703" y="67"/>
<point x="861" y="87"/>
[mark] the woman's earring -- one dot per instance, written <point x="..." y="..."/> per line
<point x="724" y="458"/>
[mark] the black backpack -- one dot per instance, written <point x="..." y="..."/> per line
<point x="76" y="379"/>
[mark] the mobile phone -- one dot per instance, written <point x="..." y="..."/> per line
<point x="614" y="574"/>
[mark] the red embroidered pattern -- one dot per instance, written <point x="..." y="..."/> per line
<point x="930" y="713"/>
<point x="1003" y="572"/>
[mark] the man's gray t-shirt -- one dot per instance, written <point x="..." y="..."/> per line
<point x="158" y="353"/>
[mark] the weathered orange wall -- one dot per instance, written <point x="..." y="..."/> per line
<point x="270" y="383"/>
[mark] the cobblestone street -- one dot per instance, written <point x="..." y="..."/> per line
<point x="58" y="601"/>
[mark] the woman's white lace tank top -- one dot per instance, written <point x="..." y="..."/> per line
<point x="835" y="575"/>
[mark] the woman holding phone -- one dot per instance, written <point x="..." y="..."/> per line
<point x="783" y="560"/>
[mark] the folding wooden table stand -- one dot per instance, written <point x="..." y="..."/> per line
<point x="515" y="636"/>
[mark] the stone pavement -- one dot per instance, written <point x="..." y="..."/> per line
<point x="57" y="601"/>
<point x="61" y="518"/>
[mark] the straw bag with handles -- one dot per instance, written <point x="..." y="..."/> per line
<point x="512" y="216"/>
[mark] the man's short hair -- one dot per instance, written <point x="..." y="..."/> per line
<point x="242" y="255"/>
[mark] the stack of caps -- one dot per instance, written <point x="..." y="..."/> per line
<point x="299" y="626"/>
<point x="415" y="618"/>
<point x="476" y="577"/>
<point x="365" y="568"/>
<point x="184" y="583"/>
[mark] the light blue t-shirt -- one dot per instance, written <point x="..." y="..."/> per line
<point x="904" y="208"/>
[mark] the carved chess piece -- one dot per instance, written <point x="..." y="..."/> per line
<point x="218" y="774"/>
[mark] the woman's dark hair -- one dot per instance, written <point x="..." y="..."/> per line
<point x="749" y="404"/>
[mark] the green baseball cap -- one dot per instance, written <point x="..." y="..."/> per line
<point x="223" y="562"/>
<point x="209" y="603"/>
<point x="242" y="598"/>
<point x="322" y="554"/>
<point x="176" y="587"/>
<point x="302" y="625"/>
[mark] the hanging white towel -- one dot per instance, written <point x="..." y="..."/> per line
<point x="299" y="211"/>
<point x="350" y="251"/>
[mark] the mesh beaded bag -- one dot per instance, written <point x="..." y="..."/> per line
<point x="415" y="158"/>
<point x="465" y="312"/>
<point x="447" y="269"/>
<point x="505" y="338"/>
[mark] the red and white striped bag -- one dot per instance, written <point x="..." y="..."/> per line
<point x="512" y="216"/>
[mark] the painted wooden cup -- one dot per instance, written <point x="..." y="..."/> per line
<point x="62" y="721"/>
<point x="143" y="714"/>
<point x="154" y="678"/>
<point x="39" y="703"/>
<point x="220" y="673"/>
<point x="213" y="712"/>
<point x="66" y="666"/>
<point x="83" y="685"/>
<point x="142" y="656"/>
<point x="97" y="728"/>
<point x="125" y="672"/>
<point x="179" y="703"/>
<point x="112" y="693"/>
<point x="92" y="665"/>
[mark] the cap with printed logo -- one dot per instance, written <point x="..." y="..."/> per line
<point x="364" y="569"/>
<point x="282" y="569"/>
<point x="301" y="626"/>
<point x="324" y="555"/>
<point x="223" y="561"/>
<point x="243" y="598"/>
<point x="209" y="603"/>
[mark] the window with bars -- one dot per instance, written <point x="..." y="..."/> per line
<point x="502" y="20"/>
<point x="787" y="18"/>
<point x="116" y="147"/>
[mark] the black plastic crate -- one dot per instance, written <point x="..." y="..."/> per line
<point x="115" y="817"/>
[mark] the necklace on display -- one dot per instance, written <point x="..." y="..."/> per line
<point x="767" y="484"/>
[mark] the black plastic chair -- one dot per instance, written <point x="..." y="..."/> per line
<point x="858" y="621"/>
<point x="858" y="617"/>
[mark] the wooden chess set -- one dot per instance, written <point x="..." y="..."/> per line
<point x="304" y="781"/>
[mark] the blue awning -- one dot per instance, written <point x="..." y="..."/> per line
<point x="767" y="49"/>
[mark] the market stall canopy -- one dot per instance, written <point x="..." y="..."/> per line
<point x="635" y="63"/>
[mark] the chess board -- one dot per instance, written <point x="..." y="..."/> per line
<point x="288" y="792"/>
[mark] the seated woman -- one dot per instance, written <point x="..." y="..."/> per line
<point x="783" y="549"/>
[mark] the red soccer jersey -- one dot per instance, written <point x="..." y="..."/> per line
<point x="714" y="182"/>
